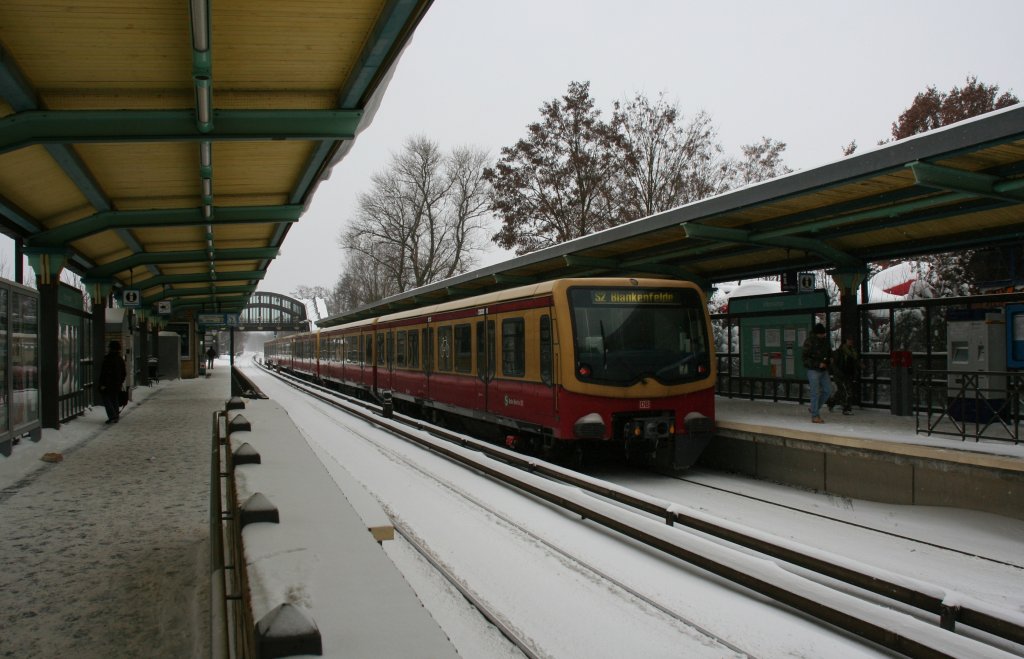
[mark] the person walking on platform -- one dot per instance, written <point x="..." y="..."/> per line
<point x="846" y="370"/>
<point x="210" y="354"/>
<point x="817" y="355"/>
<point x="111" y="381"/>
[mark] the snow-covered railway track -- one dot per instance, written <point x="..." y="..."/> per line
<point x="879" y="624"/>
<point x="839" y="520"/>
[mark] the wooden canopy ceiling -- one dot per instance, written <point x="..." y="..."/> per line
<point x="953" y="188"/>
<point x="168" y="146"/>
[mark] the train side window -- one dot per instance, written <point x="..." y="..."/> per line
<point x="380" y="349"/>
<point x="444" y="348"/>
<point x="414" y="349"/>
<point x="545" y="350"/>
<point x="464" y="348"/>
<point x="400" y="360"/>
<point x="513" y="347"/>
<point x="391" y="349"/>
<point x="352" y="354"/>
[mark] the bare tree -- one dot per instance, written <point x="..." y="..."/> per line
<point x="761" y="161"/>
<point x="422" y="219"/>
<point x="363" y="280"/>
<point x="667" y="162"/>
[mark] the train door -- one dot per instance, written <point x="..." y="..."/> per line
<point x="427" y="341"/>
<point x="485" y="367"/>
<point x="382" y="370"/>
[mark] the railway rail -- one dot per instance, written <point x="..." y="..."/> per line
<point x="669" y="528"/>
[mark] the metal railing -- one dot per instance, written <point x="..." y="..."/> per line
<point x="232" y="625"/>
<point x="970" y="405"/>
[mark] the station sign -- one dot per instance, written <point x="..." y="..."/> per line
<point x="215" y="319"/>
<point x="805" y="282"/>
<point x="131" y="297"/>
<point x="163" y="307"/>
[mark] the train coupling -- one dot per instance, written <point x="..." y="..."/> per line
<point x="683" y="450"/>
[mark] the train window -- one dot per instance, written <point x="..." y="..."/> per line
<point x="513" y="347"/>
<point x="464" y="348"/>
<point x="545" y="349"/>
<point x="367" y="348"/>
<point x="485" y="349"/>
<point x="400" y="360"/>
<point x="428" y="349"/>
<point x="625" y="335"/>
<point x="381" y="353"/>
<point x="391" y="349"/>
<point x="414" y="349"/>
<point x="352" y="352"/>
<point x="444" y="348"/>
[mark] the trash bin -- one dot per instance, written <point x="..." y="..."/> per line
<point x="901" y="392"/>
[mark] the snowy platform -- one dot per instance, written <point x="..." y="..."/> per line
<point x="322" y="556"/>
<point x="871" y="455"/>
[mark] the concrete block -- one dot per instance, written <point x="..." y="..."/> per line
<point x="287" y="631"/>
<point x="798" y="467"/>
<point x="862" y="477"/>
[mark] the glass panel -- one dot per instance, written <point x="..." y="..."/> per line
<point x="400" y="360"/>
<point x="24" y="359"/>
<point x="464" y="348"/>
<point x="622" y="335"/>
<point x="5" y="407"/>
<point x="513" y="347"/>
<point x="414" y="349"/>
<point x="545" y="349"/>
<point x="444" y="348"/>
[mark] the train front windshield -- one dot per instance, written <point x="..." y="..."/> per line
<point x="625" y="335"/>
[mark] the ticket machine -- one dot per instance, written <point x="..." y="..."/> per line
<point x="977" y="346"/>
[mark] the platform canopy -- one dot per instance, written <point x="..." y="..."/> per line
<point x="167" y="147"/>
<point x="957" y="187"/>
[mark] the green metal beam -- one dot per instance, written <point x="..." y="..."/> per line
<point x="145" y="219"/>
<point x="186" y="256"/>
<point x="168" y="280"/>
<point x="727" y="235"/>
<point x="77" y="126"/>
<point x="207" y="291"/>
<point x="18" y="217"/>
<point x="226" y="304"/>
<point x="976" y="183"/>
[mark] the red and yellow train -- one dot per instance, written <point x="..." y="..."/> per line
<point x="554" y="368"/>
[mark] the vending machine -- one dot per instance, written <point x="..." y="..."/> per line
<point x="976" y="353"/>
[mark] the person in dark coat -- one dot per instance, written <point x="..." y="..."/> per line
<point x="210" y="355"/>
<point x="817" y="355"/>
<point x="846" y="371"/>
<point x="111" y="381"/>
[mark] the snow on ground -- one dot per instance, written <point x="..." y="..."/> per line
<point x="105" y="554"/>
<point x="517" y="558"/>
<point x="91" y="581"/>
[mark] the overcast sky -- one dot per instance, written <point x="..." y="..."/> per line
<point x="812" y="74"/>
